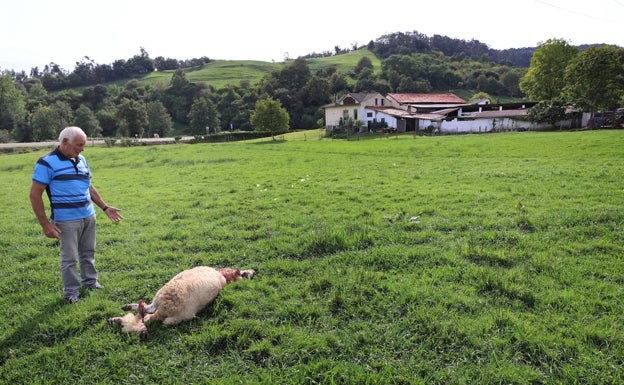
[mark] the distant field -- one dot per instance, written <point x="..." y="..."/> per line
<point x="474" y="259"/>
<point x="223" y="72"/>
<point x="220" y="73"/>
<point x="345" y="62"/>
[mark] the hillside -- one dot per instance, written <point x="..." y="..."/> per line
<point x="221" y="73"/>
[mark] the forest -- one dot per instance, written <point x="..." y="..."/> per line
<point x="111" y="100"/>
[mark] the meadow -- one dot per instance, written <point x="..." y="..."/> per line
<point x="476" y="259"/>
<point x="221" y="73"/>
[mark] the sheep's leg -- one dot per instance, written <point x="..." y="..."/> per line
<point x="155" y="316"/>
<point x="249" y="274"/>
<point x="135" y="307"/>
<point x="171" y="321"/>
<point x="131" y="306"/>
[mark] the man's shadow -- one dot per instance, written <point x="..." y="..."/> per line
<point x="30" y="331"/>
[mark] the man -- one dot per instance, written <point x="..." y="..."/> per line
<point x="66" y="178"/>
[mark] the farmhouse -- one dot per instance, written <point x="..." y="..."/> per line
<point x="443" y="113"/>
<point x="354" y="107"/>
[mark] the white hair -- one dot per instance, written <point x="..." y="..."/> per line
<point x="70" y="133"/>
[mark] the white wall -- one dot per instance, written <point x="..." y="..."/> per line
<point x="487" y="125"/>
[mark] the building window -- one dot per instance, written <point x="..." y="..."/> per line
<point x="382" y="102"/>
<point x="375" y="101"/>
<point x="355" y="115"/>
<point x="345" y="114"/>
<point x="369" y="114"/>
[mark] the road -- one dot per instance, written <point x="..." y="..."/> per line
<point x="93" y="142"/>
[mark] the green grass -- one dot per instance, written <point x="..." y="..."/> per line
<point x="476" y="259"/>
<point x="345" y="62"/>
<point x="221" y="73"/>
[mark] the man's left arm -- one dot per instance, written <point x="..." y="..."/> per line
<point x="111" y="212"/>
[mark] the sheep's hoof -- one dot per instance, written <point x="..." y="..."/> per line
<point x="249" y="274"/>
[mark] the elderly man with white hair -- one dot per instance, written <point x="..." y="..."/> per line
<point x="66" y="178"/>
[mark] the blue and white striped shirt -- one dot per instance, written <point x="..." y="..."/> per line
<point x="67" y="184"/>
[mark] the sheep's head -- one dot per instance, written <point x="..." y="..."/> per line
<point x="235" y="274"/>
<point x="133" y="323"/>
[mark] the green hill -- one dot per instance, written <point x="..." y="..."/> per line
<point x="221" y="73"/>
<point x="345" y="62"/>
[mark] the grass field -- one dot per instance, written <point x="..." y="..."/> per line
<point x="221" y="73"/>
<point x="477" y="259"/>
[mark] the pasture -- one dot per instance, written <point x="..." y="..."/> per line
<point x="223" y="73"/>
<point x="477" y="259"/>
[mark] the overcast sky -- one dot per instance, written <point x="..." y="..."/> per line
<point x="34" y="33"/>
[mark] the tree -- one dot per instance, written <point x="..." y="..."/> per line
<point x="12" y="105"/>
<point x="85" y="119"/>
<point x="269" y="116"/>
<point x="228" y="106"/>
<point x="548" y="111"/>
<point x="544" y="79"/>
<point x="204" y="117"/>
<point x="179" y="96"/>
<point x="159" y="120"/>
<point x="364" y="62"/>
<point x="95" y="97"/>
<point x="108" y="121"/>
<point x="37" y="91"/>
<point x="481" y="95"/>
<point x="47" y="121"/>
<point x="140" y="64"/>
<point x="316" y="92"/>
<point x="132" y="118"/>
<point x="595" y="78"/>
<point x="44" y="123"/>
<point x="63" y="112"/>
<point x="365" y="81"/>
<point x="510" y="81"/>
<point x="83" y="74"/>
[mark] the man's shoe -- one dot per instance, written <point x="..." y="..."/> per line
<point x="95" y="286"/>
<point x="72" y="299"/>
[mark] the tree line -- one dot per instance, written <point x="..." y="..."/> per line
<point x="562" y="77"/>
<point x="36" y="107"/>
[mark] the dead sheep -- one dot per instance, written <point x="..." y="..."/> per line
<point x="181" y="298"/>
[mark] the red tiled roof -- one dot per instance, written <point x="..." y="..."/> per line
<point x="426" y="98"/>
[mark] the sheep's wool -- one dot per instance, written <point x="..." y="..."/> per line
<point x="186" y="294"/>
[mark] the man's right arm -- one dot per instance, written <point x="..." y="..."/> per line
<point x="36" y="201"/>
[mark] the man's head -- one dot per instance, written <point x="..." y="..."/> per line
<point x="72" y="141"/>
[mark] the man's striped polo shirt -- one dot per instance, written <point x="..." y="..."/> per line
<point x="67" y="184"/>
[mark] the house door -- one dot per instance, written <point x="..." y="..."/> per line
<point x="401" y="125"/>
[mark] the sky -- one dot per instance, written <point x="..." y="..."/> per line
<point x="34" y="33"/>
